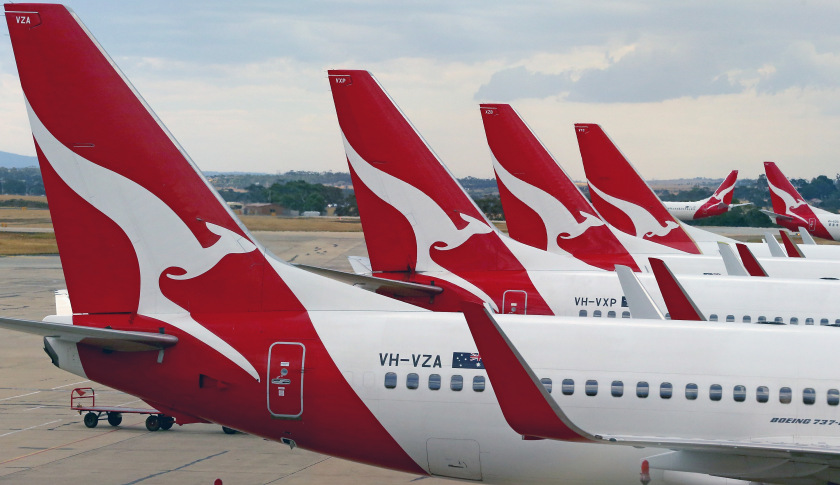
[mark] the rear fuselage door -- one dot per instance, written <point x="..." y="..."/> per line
<point x="285" y="379"/>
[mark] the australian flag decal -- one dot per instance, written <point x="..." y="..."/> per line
<point x="466" y="360"/>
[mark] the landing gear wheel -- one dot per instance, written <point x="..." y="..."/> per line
<point x="153" y="422"/>
<point x="229" y="430"/>
<point x="91" y="420"/>
<point x="114" y="419"/>
<point x="166" y="422"/>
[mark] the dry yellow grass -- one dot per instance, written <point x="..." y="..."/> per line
<point x="26" y="243"/>
<point x="320" y="224"/>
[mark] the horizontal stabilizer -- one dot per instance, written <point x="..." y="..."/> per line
<point x="806" y="236"/>
<point x="106" y="338"/>
<point x="777" y="215"/>
<point x="730" y="261"/>
<point x="680" y="305"/>
<point x="639" y="301"/>
<point x="731" y="206"/>
<point x="792" y="249"/>
<point x="750" y="262"/>
<point x="360" y="264"/>
<point x="374" y="284"/>
<point x="775" y="249"/>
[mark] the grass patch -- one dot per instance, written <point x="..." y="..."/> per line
<point x="306" y="224"/>
<point x="27" y="243"/>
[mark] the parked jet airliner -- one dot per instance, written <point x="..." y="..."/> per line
<point x="176" y="303"/>
<point x="718" y="203"/>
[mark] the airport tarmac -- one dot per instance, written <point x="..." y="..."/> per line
<point x="43" y="441"/>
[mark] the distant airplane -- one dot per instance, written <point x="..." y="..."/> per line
<point x="176" y="303"/>
<point x="792" y="212"/>
<point x="718" y="203"/>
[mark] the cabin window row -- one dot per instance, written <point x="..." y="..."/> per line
<point x="763" y="319"/>
<point x="598" y="314"/>
<point x="692" y="391"/>
<point x="456" y="382"/>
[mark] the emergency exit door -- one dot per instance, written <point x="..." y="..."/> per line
<point x="285" y="379"/>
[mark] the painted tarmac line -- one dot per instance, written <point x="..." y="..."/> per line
<point x="31" y="427"/>
<point x="71" y="384"/>
<point x="19" y="395"/>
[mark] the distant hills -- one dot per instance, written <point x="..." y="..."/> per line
<point x="13" y="160"/>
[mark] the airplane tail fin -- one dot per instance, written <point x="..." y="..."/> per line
<point x="415" y="214"/>
<point x="622" y="197"/>
<point x="726" y="190"/>
<point x="543" y="207"/>
<point x="783" y="195"/>
<point x="139" y="229"/>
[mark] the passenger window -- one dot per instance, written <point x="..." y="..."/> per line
<point x="785" y="395"/>
<point x="762" y="319"/>
<point x="390" y="380"/>
<point x="747" y="319"/>
<point x="596" y="313"/>
<point x="478" y="383"/>
<point x="456" y="383"/>
<point x="691" y="391"/>
<point x="739" y="393"/>
<point x="778" y="320"/>
<point x="591" y="387"/>
<point x="412" y="381"/>
<point x="546" y="382"/>
<point x="627" y="315"/>
<point x="713" y="317"/>
<point x="582" y="313"/>
<point x="715" y="392"/>
<point x="823" y="321"/>
<point x="837" y="322"/>
<point x="666" y="390"/>
<point x="617" y="388"/>
<point x="434" y="382"/>
<point x="809" y="395"/>
<point x="762" y="394"/>
<point x="610" y="314"/>
<point x="667" y="316"/>
<point x="730" y="318"/>
<point x="794" y="321"/>
<point x="833" y="398"/>
<point x="568" y="387"/>
<point x="809" y="321"/>
<point x="642" y="389"/>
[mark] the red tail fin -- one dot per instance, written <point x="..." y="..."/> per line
<point x="726" y="190"/>
<point x="543" y="207"/>
<point x="787" y="202"/>
<point x="621" y="195"/>
<point x="750" y="263"/>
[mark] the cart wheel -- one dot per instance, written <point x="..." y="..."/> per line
<point x="153" y="422"/>
<point x="229" y="430"/>
<point x="114" y="419"/>
<point x="166" y="422"/>
<point x="91" y="420"/>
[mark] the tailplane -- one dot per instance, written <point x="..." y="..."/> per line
<point x="622" y="197"/>
<point x="543" y="207"/>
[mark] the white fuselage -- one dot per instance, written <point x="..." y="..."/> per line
<point x="466" y="426"/>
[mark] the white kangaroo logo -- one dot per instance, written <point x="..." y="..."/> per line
<point x="161" y="240"/>
<point x="789" y="200"/>
<point x="436" y="228"/>
<point x="646" y="225"/>
<point x="556" y="217"/>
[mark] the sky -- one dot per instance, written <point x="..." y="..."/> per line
<point x="685" y="89"/>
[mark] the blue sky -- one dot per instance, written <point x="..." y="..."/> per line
<point x="684" y="88"/>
